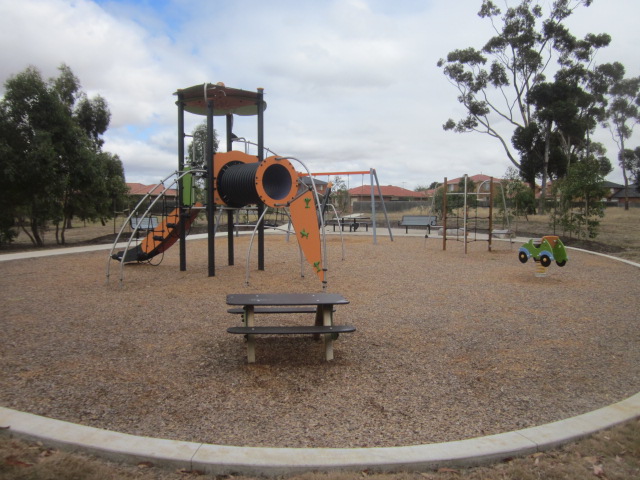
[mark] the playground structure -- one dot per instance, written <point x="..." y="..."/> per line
<point x="233" y="180"/>
<point x="466" y="218"/>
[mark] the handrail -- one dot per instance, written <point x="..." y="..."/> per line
<point x="178" y="176"/>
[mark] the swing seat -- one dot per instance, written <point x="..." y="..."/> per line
<point x="453" y="232"/>
<point x="502" y="233"/>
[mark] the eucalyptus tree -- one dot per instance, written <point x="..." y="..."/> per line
<point x="622" y="114"/>
<point x="497" y="84"/>
<point x="52" y="159"/>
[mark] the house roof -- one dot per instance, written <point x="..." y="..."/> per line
<point x="141" y="189"/>
<point x="632" y="192"/>
<point x="387" y="191"/>
<point x="608" y="184"/>
<point x="307" y="181"/>
<point x="479" y="178"/>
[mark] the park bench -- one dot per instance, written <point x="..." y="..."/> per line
<point x="322" y="304"/>
<point x="418" y="221"/>
<point x="143" y="223"/>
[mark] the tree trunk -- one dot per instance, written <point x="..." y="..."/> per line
<point x="626" y="188"/>
<point x="35" y="232"/>
<point x="65" y="222"/>
<point x="623" y="165"/>
<point x="545" y="168"/>
<point x="27" y="233"/>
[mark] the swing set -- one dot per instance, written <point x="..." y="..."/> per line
<point x="373" y="177"/>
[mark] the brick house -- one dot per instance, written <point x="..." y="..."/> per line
<point x="137" y="192"/>
<point x="389" y="193"/>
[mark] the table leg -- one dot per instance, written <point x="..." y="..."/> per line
<point x="327" y="320"/>
<point x="249" y="321"/>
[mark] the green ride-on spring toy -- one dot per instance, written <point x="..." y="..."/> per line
<point x="545" y="250"/>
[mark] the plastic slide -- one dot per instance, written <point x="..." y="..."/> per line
<point x="160" y="238"/>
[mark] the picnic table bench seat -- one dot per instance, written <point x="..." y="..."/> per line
<point x="240" y="310"/>
<point x="293" y="330"/>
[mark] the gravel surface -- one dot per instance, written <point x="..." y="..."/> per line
<point x="448" y="346"/>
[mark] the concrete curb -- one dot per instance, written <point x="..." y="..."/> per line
<point x="221" y="459"/>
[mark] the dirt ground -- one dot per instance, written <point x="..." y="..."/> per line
<point x="448" y="345"/>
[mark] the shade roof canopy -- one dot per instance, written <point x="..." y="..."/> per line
<point x="225" y="100"/>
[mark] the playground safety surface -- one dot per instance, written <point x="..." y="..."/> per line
<point x="448" y="346"/>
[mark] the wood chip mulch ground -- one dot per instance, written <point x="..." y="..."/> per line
<point x="448" y="346"/>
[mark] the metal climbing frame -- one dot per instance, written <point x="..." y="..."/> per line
<point x="465" y="193"/>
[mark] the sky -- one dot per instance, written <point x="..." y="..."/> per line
<point x="350" y="85"/>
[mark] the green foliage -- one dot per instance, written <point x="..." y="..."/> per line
<point x="196" y="157"/>
<point x="504" y="83"/>
<point x="579" y="206"/>
<point x="53" y="164"/>
<point x="622" y="114"/>
<point x="197" y="146"/>
<point x="519" y="196"/>
<point x="340" y="195"/>
<point x="455" y="200"/>
<point x="632" y="163"/>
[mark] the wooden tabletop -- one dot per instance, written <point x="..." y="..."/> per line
<point x="281" y="299"/>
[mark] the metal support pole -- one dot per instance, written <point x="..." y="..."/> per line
<point x="464" y="215"/>
<point x="444" y="214"/>
<point x="230" y="247"/>
<point x="181" y="136"/>
<point x="490" y="210"/>
<point x="260" y="101"/>
<point x="384" y="207"/>
<point x="373" y="207"/>
<point x="211" y="207"/>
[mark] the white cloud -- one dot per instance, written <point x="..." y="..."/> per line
<point x="350" y="84"/>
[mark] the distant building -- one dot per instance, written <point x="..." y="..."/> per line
<point x="140" y="190"/>
<point x="137" y="191"/>
<point x="389" y="193"/>
<point x="481" y="181"/>
<point x="632" y="193"/>
<point x="321" y="186"/>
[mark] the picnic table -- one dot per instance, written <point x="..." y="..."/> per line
<point x="353" y="221"/>
<point x="322" y="304"/>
